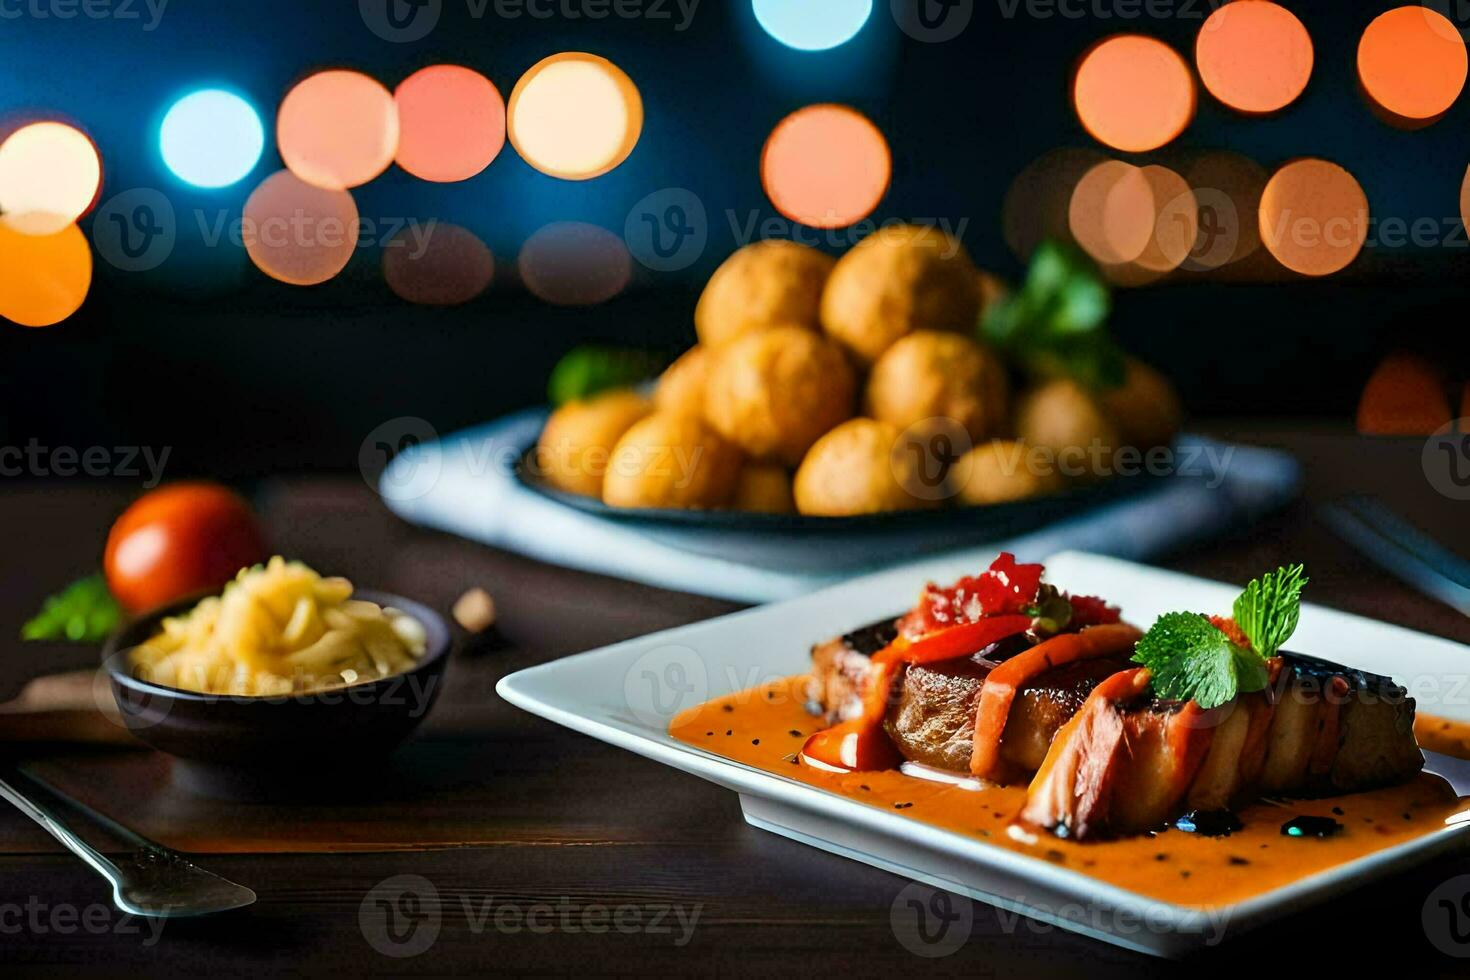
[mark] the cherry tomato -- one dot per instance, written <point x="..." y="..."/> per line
<point x="178" y="541"/>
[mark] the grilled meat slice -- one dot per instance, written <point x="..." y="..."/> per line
<point x="932" y="720"/>
<point x="1129" y="762"/>
<point x="839" y="666"/>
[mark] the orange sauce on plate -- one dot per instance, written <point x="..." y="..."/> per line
<point x="764" y="727"/>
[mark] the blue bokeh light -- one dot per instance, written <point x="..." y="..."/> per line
<point x="813" y="25"/>
<point x="211" y="138"/>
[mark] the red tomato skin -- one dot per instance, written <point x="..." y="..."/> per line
<point x="178" y="541"/>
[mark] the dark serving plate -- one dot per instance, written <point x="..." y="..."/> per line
<point x="288" y="746"/>
<point x="994" y="521"/>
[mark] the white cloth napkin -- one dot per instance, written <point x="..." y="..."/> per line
<point x="465" y="484"/>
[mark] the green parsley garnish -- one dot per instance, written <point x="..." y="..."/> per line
<point x="1055" y="325"/>
<point x="590" y="369"/>
<point x="1192" y="659"/>
<point x="84" y="612"/>
<point x="1268" y="610"/>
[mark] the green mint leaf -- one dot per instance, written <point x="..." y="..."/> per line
<point x="83" y="612"/>
<point x="1055" y="325"/>
<point x="590" y="369"/>
<point x="1268" y="610"/>
<point x="1193" y="660"/>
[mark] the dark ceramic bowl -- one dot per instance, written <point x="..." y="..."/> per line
<point x="278" y="746"/>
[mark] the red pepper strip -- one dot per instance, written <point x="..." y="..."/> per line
<point x="954" y="641"/>
<point x="861" y="744"/>
<point x="1000" y="687"/>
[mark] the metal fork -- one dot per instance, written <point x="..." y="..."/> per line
<point x="1402" y="549"/>
<point x="152" y="880"/>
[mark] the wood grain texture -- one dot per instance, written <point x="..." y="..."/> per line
<point x="500" y="810"/>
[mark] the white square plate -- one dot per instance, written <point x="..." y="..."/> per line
<point x="627" y="693"/>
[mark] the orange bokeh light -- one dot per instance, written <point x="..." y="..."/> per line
<point x="446" y="266"/>
<point x="1254" y="55"/>
<point x="1405" y="396"/>
<point x="297" y="232"/>
<point x="1133" y="93"/>
<point x="50" y="175"/>
<point x="575" y="116"/>
<point x="1112" y="212"/>
<point x="1465" y="198"/>
<point x="1038" y="202"/>
<point x="826" y="166"/>
<point x="337" y="129"/>
<point x="46" y="277"/>
<point x="451" y="123"/>
<point x="570" y="263"/>
<point x="1139" y="223"/>
<point x="1313" y="217"/>
<point x="1412" y="64"/>
<point x="1227" y="188"/>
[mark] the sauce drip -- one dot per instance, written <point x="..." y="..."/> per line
<point x="1187" y="869"/>
<point x="1320" y="827"/>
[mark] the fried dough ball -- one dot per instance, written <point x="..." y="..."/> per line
<point x="669" y="460"/>
<point x="764" y="489"/>
<point x="774" y="393"/>
<point x="1063" y="418"/>
<point x="933" y="375"/>
<point x="1146" y="409"/>
<point x="1003" y="470"/>
<point x="681" y="387"/>
<point x="896" y="281"/>
<point x="762" y="285"/>
<point x="859" y="468"/>
<point x="578" y="439"/>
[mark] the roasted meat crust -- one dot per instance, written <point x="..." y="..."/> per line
<point x="932" y="719"/>
<point x="1131" y="764"/>
<point x="839" y="665"/>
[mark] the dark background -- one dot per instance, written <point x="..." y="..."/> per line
<point x="241" y="375"/>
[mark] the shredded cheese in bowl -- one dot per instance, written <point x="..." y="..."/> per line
<point x="280" y="629"/>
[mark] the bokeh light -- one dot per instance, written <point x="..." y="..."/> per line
<point x="297" y="232"/>
<point x="570" y="263"/>
<point x="1313" y="217"/>
<point x="1227" y="187"/>
<point x="451" y="123"/>
<point x="337" y="129"/>
<point x="1254" y="56"/>
<point x="1412" y="64"/>
<point x="46" y="277"/>
<point x="211" y="138"/>
<point x="1405" y="396"/>
<point x="1038" y="202"/>
<point x="813" y="25"/>
<point x="826" y="166"/>
<point x="1172" y="234"/>
<point x="1138" y="223"/>
<point x="50" y="175"/>
<point x="1133" y="93"/>
<point x="575" y="116"/>
<point x="1465" y="198"/>
<point x="1112" y="212"/>
<point x="437" y="264"/>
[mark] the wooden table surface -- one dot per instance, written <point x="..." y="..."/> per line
<point x="553" y="853"/>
